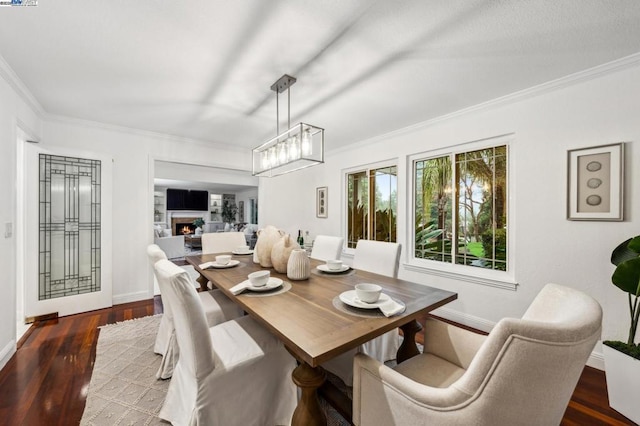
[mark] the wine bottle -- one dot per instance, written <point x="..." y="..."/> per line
<point x="300" y="239"/>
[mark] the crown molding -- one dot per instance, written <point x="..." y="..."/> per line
<point x="521" y="95"/>
<point x="145" y="133"/>
<point x="20" y="88"/>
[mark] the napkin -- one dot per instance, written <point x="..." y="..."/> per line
<point x="206" y="265"/>
<point x="391" y="308"/>
<point x="239" y="288"/>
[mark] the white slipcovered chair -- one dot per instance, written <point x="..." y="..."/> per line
<point x="236" y="373"/>
<point x="222" y="242"/>
<point x="217" y="307"/>
<point x="327" y="247"/>
<point x="523" y="373"/>
<point x="381" y="258"/>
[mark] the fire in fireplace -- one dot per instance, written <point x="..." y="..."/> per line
<point x="184" y="228"/>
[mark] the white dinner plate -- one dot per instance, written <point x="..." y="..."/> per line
<point x="215" y="265"/>
<point x="349" y="297"/>
<point x="271" y="284"/>
<point x="240" y="253"/>
<point x="325" y="268"/>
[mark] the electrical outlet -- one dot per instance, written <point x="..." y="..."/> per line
<point x="8" y="230"/>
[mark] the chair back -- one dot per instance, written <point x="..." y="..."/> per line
<point x="378" y="257"/>
<point x="528" y="368"/>
<point x="222" y="242"/>
<point x="192" y="331"/>
<point x="155" y="253"/>
<point x="327" y="247"/>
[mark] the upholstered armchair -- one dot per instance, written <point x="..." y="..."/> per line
<point x="522" y="373"/>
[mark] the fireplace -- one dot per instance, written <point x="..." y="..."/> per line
<point x="183" y="225"/>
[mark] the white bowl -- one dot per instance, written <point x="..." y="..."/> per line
<point x="242" y="249"/>
<point x="368" y="293"/>
<point x="259" y="278"/>
<point x="334" y="264"/>
<point x="223" y="259"/>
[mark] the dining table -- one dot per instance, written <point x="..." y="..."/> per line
<point x="315" y="324"/>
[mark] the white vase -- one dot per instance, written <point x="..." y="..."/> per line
<point x="299" y="265"/>
<point x="623" y="387"/>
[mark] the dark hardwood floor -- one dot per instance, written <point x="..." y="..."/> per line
<point x="45" y="382"/>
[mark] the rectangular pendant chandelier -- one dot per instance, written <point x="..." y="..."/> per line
<point x="300" y="146"/>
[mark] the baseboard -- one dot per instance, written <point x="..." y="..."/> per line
<point x="131" y="297"/>
<point x="596" y="359"/>
<point x="7" y="352"/>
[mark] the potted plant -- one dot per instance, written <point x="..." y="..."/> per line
<point x="229" y="211"/>
<point x="198" y="223"/>
<point x="622" y="359"/>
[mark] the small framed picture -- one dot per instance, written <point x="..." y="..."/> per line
<point x="596" y="183"/>
<point x="321" y="202"/>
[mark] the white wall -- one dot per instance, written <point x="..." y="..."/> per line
<point x="13" y="112"/>
<point x="548" y="248"/>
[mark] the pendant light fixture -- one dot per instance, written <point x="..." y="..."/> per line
<point x="300" y="146"/>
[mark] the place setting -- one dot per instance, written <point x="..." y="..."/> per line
<point x="222" y="261"/>
<point x="334" y="267"/>
<point x="261" y="283"/>
<point x="369" y="300"/>
<point x="242" y="251"/>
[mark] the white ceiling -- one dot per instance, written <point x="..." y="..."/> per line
<point x="202" y="68"/>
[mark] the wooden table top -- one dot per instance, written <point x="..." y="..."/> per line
<point x="305" y="319"/>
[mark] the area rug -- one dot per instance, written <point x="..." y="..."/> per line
<point x="124" y="390"/>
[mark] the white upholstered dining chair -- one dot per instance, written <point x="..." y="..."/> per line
<point x="523" y="373"/>
<point x="222" y="242"/>
<point x="217" y="307"/>
<point x="381" y="258"/>
<point x="327" y="247"/>
<point x="235" y="373"/>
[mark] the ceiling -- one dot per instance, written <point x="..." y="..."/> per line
<point x="202" y="69"/>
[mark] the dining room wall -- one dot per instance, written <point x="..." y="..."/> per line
<point x="16" y="112"/>
<point x="593" y="108"/>
<point x="134" y="155"/>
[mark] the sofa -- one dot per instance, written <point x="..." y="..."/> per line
<point x="172" y="245"/>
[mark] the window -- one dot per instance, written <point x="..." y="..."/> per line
<point x="372" y="205"/>
<point x="461" y="208"/>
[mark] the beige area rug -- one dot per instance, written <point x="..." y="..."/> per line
<point x="123" y="388"/>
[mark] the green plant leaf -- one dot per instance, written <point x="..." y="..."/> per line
<point x="624" y="251"/>
<point x="627" y="275"/>
<point x="635" y="244"/>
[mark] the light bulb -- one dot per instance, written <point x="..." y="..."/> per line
<point x="265" y="160"/>
<point x="282" y="152"/>
<point x="294" y="148"/>
<point x="306" y="143"/>
<point x="273" y="157"/>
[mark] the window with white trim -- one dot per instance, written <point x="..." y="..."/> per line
<point x="372" y="204"/>
<point x="460" y="208"/>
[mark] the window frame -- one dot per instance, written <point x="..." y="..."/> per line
<point x="494" y="278"/>
<point x="366" y="168"/>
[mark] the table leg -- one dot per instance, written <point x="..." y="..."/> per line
<point x="203" y="282"/>
<point x="308" y="412"/>
<point x="408" y="348"/>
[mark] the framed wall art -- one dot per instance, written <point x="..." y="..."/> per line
<point x="596" y="183"/>
<point x="321" y="202"/>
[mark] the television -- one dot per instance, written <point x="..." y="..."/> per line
<point x="185" y="199"/>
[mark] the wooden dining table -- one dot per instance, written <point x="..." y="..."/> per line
<point x="315" y="326"/>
